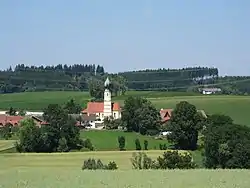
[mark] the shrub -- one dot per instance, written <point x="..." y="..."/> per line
<point x="175" y="160"/>
<point x="62" y="147"/>
<point x="121" y="141"/>
<point x="169" y="160"/>
<point x="137" y="144"/>
<point x="111" y="166"/>
<point x="87" y="144"/>
<point x="141" y="161"/>
<point x="163" y="147"/>
<point x="92" y="164"/>
<point x="145" y="145"/>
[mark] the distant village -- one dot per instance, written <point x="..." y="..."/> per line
<point x="93" y="116"/>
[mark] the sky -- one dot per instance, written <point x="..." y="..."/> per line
<point x="127" y="35"/>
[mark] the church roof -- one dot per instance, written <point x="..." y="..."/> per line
<point x="98" y="107"/>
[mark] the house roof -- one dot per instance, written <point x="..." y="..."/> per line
<point x="167" y="113"/>
<point x="6" y="119"/>
<point x="98" y="107"/>
<point x="84" y="117"/>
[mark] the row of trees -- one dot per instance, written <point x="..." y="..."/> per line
<point x="170" y="79"/>
<point x="122" y="143"/>
<point x="82" y="77"/>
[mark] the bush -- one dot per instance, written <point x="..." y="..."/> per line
<point x="145" y="145"/>
<point x="121" y="141"/>
<point x="137" y="144"/>
<point x="87" y="144"/>
<point x="92" y="164"/>
<point x="169" y="160"/>
<point x="175" y="160"/>
<point x="63" y="147"/>
<point x="141" y="161"/>
<point x="111" y="166"/>
<point x="163" y="147"/>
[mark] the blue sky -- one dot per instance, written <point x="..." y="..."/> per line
<point x="127" y="35"/>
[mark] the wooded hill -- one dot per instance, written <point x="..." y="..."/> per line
<point x="79" y="77"/>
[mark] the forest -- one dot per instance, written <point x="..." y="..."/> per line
<point x="83" y="77"/>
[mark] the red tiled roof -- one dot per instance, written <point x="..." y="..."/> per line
<point x="98" y="107"/>
<point x="165" y="114"/>
<point x="14" y="120"/>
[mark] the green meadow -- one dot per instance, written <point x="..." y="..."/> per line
<point x="236" y="107"/>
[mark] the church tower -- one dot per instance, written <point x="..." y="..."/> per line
<point x="107" y="99"/>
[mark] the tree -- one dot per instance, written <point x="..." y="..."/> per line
<point x="226" y="145"/>
<point x="11" y="112"/>
<point x="140" y="115"/>
<point x="185" y="123"/>
<point x="29" y="137"/>
<point x="21" y="113"/>
<point x="60" y="134"/>
<point x="137" y="144"/>
<point x="72" y="108"/>
<point x="145" y="145"/>
<point x="5" y="131"/>
<point x="96" y="88"/>
<point x="121" y="141"/>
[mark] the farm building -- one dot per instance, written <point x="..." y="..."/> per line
<point x="209" y="91"/>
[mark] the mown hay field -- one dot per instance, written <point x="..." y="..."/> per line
<point x="64" y="170"/>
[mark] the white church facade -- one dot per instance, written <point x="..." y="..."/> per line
<point x="104" y="109"/>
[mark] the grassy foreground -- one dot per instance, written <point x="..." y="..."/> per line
<point x="64" y="170"/>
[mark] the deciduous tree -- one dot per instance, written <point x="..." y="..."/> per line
<point x="185" y="123"/>
<point x="140" y="115"/>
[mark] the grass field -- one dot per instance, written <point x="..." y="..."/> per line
<point x="64" y="170"/>
<point x="108" y="140"/>
<point x="236" y="107"/>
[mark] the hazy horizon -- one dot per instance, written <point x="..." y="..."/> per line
<point x="127" y="36"/>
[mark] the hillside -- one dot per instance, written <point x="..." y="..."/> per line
<point x="76" y="78"/>
<point x="236" y="107"/>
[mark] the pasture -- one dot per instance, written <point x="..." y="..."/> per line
<point x="236" y="107"/>
<point x="108" y="140"/>
<point x="64" y="170"/>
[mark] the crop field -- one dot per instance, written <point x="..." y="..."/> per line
<point x="236" y="107"/>
<point x="64" y="170"/>
<point x="6" y="144"/>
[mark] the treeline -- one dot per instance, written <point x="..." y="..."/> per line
<point x="170" y="79"/>
<point x="43" y="78"/>
<point x="83" y="77"/>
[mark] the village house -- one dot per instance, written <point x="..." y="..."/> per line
<point x="167" y="113"/>
<point x="15" y="120"/>
<point x="104" y="109"/>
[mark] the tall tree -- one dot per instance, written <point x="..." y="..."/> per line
<point x="184" y="125"/>
<point x="140" y="115"/>
<point x="72" y="108"/>
<point x="96" y="88"/>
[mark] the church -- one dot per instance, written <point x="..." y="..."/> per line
<point x="104" y="109"/>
